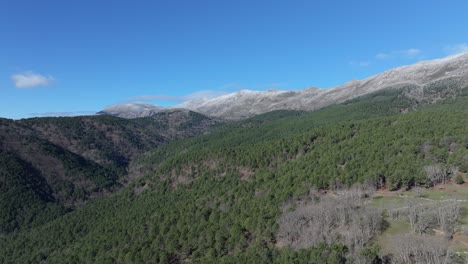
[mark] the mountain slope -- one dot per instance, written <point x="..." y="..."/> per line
<point x="25" y="197"/>
<point x="245" y="103"/>
<point x="115" y="141"/>
<point x="218" y="198"/>
<point x="59" y="163"/>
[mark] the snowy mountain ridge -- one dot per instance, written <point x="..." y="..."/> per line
<point x="247" y="103"/>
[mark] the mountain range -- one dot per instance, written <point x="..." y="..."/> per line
<point x="451" y="70"/>
<point x="372" y="171"/>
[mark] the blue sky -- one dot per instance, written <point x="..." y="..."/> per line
<point x="80" y="56"/>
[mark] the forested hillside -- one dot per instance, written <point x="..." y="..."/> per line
<point x="220" y="197"/>
<point x="51" y="165"/>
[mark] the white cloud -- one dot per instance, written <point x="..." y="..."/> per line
<point x="224" y="89"/>
<point x="382" y="56"/>
<point x="364" y="63"/>
<point x="191" y="96"/>
<point x="30" y="79"/>
<point x="411" y="52"/>
<point x="408" y="53"/>
<point x="232" y="87"/>
<point x="237" y="86"/>
<point x="56" y="114"/>
<point x="360" y="63"/>
<point x="456" y="49"/>
<point x="160" y="97"/>
<point x="204" y="94"/>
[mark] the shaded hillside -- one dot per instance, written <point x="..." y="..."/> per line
<point x="112" y="141"/>
<point x="218" y="198"/>
<point x="25" y="196"/>
<point x="62" y="162"/>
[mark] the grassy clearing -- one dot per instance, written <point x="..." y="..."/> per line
<point x="388" y="202"/>
<point x="398" y="201"/>
<point x="395" y="228"/>
<point x="459" y="192"/>
<point x="464" y="218"/>
<point x="393" y="200"/>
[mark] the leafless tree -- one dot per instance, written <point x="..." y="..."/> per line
<point x="422" y="217"/>
<point x="395" y="214"/>
<point x="330" y="219"/>
<point x="437" y="174"/>
<point x="425" y="220"/>
<point x="447" y="216"/>
<point x="420" y="249"/>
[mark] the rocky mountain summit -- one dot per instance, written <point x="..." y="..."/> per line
<point x="131" y="110"/>
<point x="451" y="71"/>
<point x="242" y="104"/>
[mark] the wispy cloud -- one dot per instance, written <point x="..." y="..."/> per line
<point x="232" y="87"/>
<point x="171" y="98"/>
<point x="411" y="52"/>
<point x="382" y="56"/>
<point x="360" y="63"/>
<point x="222" y="90"/>
<point x="30" y="79"/>
<point x="158" y="97"/>
<point x="408" y="54"/>
<point x="204" y="94"/>
<point x="270" y="86"/>
<point x="457" y="48"/>
<point x="55" y="114"/>
<point x="237" y="86"/>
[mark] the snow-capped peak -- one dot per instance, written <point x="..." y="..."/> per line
<point x="246" y="103"/>
<point x="131" y="110"/>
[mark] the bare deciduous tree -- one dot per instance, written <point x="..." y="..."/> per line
<point x="328" y="218"/>
<point x="424" y="216"/>
<point x="448" y="214"/>
<point x="437" y="174"/>
<point x="417" y="249"/>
